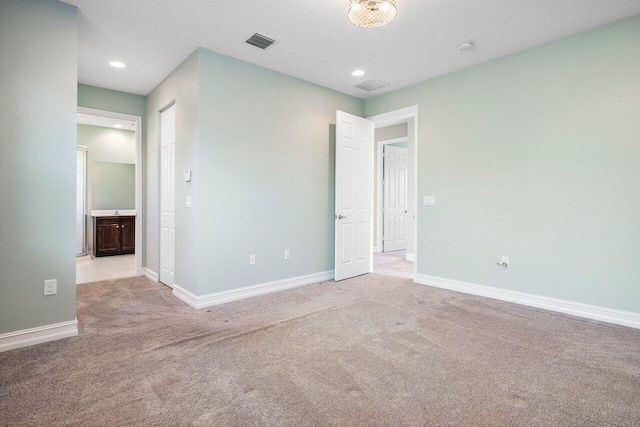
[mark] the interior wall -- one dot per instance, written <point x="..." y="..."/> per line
<point x="266" y="181"/>
<point x="108" y="145"/>
<point x="535" y="156"/>
<point x="112" y="100"/>
<point x="38" y="65"/>
<point x="181" y="87"/>
<point x="113" y="186"/>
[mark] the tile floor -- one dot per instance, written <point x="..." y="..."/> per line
<point x="104" y="268"/>
<point x="393" y="264"/>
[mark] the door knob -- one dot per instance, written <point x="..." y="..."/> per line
<point x="405" y="211"/>
<point x="340" y="217"/>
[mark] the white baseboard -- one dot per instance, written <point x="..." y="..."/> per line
<point x="27" y="337"/>
<point x="603" y="314"/>
<point x="150" y="274"/>
<point x="410" y="257"/>
<point x="203" y="301"/>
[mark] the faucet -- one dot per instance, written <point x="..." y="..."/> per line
<point x="115" y="212"/>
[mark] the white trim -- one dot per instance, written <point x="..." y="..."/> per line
<point x="216" y="298"/>
<point x="376" y="249"/>
<point x="394" y="117"/>
<point x="150" y="274"/>
<point x="27" y="337"/>
<point x="410" y="257"/>
<point x="380" y="189"/>
<point x="603" y="314"/>
<point x="401" y="116"/>
<point x="139" y="166"/>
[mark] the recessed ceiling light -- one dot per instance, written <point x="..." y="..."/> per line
<point x="358" y="73"/>
<point x="118" y="126"/>
<point x="117" y="64"/>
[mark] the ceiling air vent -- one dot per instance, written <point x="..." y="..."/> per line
<point x="258" y="40"/>
<point x="371" y="85"/>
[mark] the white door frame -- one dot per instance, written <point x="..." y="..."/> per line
<point x="138" y="174"/>
<point x="377" y="247"/>
<point x="393" y="118"/>
<point x="85" y="200"/>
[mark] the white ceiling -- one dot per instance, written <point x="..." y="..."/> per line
<point x="105" y="122"/>
<point x="316" y="42"/>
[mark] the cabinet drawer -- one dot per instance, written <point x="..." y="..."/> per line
<point x="107" y="220"/>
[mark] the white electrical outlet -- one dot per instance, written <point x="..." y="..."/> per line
<point x="188" y="201"/>
<point x="252" y="260"/>
<point x="51" y="287"/>
<point x="287" y="254"/>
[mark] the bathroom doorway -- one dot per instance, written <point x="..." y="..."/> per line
<point x="109" y="196"/>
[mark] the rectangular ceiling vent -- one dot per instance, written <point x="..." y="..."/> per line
<point x="258" y="40"/>
<point x="371" y="85"/>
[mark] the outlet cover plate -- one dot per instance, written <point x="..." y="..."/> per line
<point x="51" y="287"/>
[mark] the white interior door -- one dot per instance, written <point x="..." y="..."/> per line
<point x="168" y="195"/>
<point x="395" y="198"/>
<point x="354" y="195"/>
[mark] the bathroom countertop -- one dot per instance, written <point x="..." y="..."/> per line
<point x="111" y="212"/>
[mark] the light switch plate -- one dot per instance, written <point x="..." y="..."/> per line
<point x="252" y="260"/>
<point x="51" y="287"/>
<point x="287" y="254"/>
<point x="187" y="175"/>
<point x="188" y="201"/>
<point x="429" y="201"/>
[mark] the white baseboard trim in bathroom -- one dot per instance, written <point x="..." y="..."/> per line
<point x="27" y="337"/>
<point x="216" y="298"/>
<point x="150" y="274"/>
<point x="603" y="314"/>
<point x="410" y="257"/>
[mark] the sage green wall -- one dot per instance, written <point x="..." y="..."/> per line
<point x="181" y="87"/>
<point x="535" y="156"/>
<point x="266" y="173"/>
<point x="113" y="185"/>
<point x="38" y="65"/>
<point x="108" y="145"/>
<point x="112" y="100"/>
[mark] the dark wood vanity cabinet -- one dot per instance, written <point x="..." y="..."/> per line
<point x="114" y="235"/>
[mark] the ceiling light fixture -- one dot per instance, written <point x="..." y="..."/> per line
<point x="117" y="64"/>
<point x="118" y="126"/>
<point x="372" y="13"/>
<point x="357" y="73"/>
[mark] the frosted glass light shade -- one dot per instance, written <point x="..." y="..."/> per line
<point x="372" y="13"/>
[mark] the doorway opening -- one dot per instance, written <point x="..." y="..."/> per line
<point x="364" y="233"/>
<point x="108" y="196"/>
<point x="395" y="193"/>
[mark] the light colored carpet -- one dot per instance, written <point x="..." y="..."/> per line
<point x="392" y="264"/>
<point x="370" y="351"/>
